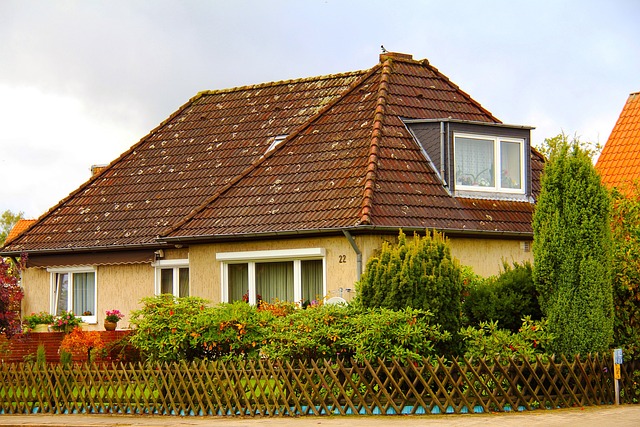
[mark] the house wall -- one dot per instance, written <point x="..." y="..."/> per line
<point x="486" y="256"/>
<point x="37" y="291"/>
<point x="123" y="286"/>
<point x="205" y="271"/>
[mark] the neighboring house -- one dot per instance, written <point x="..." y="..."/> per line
<point x="17" y="229"/>
<point x="619" y="162"/>
<point x="285" y="190"/>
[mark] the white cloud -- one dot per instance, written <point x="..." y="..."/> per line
<point x="48" y="144"/>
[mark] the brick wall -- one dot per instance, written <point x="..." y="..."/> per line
<point x="24" y="345"/>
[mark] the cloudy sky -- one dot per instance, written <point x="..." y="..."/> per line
<point x="82" y="81"/>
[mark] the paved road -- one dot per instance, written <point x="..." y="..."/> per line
<point x="601" y="416"/>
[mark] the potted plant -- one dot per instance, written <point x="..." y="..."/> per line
<point x="37" y="322"/>
<point x="66" y="321"/>
<point x="111" y="320"/>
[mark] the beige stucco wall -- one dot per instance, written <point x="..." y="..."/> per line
<point x="36" y="285"/>
<point x="486" y="256"/>
<point x="205" y="271"/>
<point x="123" y="286"/>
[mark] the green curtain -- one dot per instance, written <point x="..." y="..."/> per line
<point x="166" y="281"/>
<point x="84" y="293"/>
<point x="183" y="282"/>
<point x="312" y="280"/>
<point x="274" y="281"/>
<point x="238" y="281"/>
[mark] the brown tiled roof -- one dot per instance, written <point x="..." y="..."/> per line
<point x="619" y="162"/>
<point x="348" y="161"/>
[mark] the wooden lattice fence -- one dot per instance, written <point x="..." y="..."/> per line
<point x="268" y="388"/>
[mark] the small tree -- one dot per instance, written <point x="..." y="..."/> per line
<point x="572" y="250"/>
<point x="419" y="273"/>
<point x="10" y="296"/>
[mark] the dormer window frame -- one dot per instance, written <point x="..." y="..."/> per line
<point x="493" y="178"/>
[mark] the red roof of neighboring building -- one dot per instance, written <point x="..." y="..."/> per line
<point x="19" y="227"/>
<point x="348" y="160"/>
<point x="619" y="162"/>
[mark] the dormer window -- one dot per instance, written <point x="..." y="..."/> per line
<point x="477" y="159"/>
<point x="486" y="163"/>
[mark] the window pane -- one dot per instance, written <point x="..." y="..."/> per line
<point x="183" y="275"/>
<point x="474" y="162"/>
<point x="166" y="281"/>
<point x="312" y="280"/>
<point x="274" y="281"/>
<point x="62" y="292"/>
<point x="510" y="164"/>
<point x="238" y="276"/>
<point x="84" y="294"/>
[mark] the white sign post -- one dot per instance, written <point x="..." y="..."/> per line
<point x="617" y="361"/>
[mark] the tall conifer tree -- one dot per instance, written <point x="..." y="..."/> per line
<point x="572" y="250"/>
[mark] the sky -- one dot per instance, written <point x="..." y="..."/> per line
<point x="81" y="81"/>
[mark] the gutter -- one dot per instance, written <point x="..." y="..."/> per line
<point x="358" y="254"/>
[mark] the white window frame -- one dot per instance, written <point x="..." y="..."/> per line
<point x="71" y="271"/>
<point x="286" y="255"/>
<point x="176" y="265"/>
<point x="497" y="178"/>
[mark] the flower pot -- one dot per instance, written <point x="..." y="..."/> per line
<point x="40" y="328"/>
<point x="110" y="326"/>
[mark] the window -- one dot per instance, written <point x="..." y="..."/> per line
<point x="285" y="275"/>
<point x="476" y="158"/>
<point x="74" y="290"/>
<point x="172" y="277"/>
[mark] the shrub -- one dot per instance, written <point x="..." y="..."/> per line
<point x="506" y="298"/>
<point x="420" y="274"/>
<point x="10" y="296"/>
<point x="165" y="327"/>
<point x="235" y="330"/>
<point x="403" y="334"/>
<point x="625" y="225"/>
<point x="317" y="332"/>
<point x="82" y="342"/>
<point x="488" y="340"/>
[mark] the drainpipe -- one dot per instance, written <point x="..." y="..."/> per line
<point x="358" y="254"/>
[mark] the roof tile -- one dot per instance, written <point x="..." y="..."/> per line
<point x="619" y="162"/>
<point x="348" y="160"/>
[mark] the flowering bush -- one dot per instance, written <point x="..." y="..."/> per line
<point x="66" y="321"/>
<point x="79" y="341"/>
<point x="10" y="296"/>
<point x="114" y="316"/>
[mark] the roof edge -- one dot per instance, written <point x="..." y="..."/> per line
<point x="374" y="147"/>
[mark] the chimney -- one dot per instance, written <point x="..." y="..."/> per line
<point x="395" y="55"/>
<point x="96" y="169"/>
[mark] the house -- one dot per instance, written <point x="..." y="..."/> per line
<point x="619" y="162"/>
<point x="285" y="190"/>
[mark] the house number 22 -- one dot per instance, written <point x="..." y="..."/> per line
<point x="342" y="259"/>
